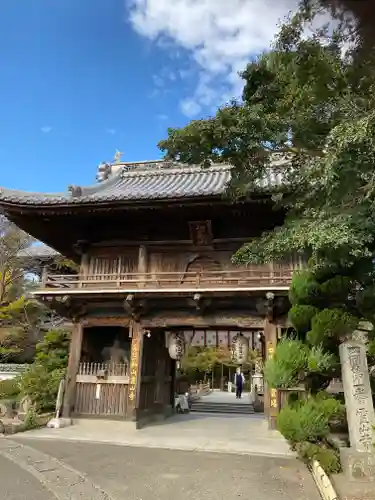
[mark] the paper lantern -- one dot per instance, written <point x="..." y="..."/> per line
<point x="240" y="349"/>
<point x="176" y="346"/>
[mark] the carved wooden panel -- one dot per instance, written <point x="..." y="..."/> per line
<point x="201" y="233"/>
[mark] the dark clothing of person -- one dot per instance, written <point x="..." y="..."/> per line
<point x="239" y="385"/>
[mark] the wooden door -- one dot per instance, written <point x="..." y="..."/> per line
<point x="102" y="390"/>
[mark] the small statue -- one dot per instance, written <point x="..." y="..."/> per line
<point x="116" y="354"/>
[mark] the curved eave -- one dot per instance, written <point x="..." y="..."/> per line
<point x="130" y="187"/>
<point x="135" y="188"/>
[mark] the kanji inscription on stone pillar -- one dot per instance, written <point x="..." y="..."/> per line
<point x="358" y="397"/>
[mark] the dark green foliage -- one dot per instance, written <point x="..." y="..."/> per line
<point x="329" y="325"/>
<point x="41" y="386"/>
<point x="327" y="457"/>
<point x="295" y="363"/>
<point x="365" y="302"/>
<point x="304" y="289"/>
<point x="53" y="351"/>
<point x="309" y="420"/>
<point x="9" y="389"/>
<point x="336" y="290"/>
<point x="287" y="367"/>
<point x="41" y="380"/>
<point x="300" y="317"/>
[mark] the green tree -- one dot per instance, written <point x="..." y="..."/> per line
<point x="19" y="315"/>
<point x="41" y="380"/>
<point x="307" y="113"/>
<point x="312" y="109"/>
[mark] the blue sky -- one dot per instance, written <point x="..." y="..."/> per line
<point x="81" y="78"/>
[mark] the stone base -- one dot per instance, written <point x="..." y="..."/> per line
<point x="59" y="423"/>
<point x="358" y="465"/>
<point x="272" y="422"/>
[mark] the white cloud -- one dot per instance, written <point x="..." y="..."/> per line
<point x="46" y="129"/>
<point x="220" y="36"/>
<point x="190" y="107"/>
<point x="111" y="131"/>
<point x="162" y="117"/>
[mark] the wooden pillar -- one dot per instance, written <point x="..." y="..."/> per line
<point x="160" y="378"/>
<point x="44" y="276"/>
<point x="73" y="365"/>
<point x="135" y="370"/>
<point x="142" y="264"/>
<point x="270" y="393"/>
<point x="85" y="261"/>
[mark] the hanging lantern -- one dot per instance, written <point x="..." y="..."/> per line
<point x="176" y="346"/>
<point x="240" y="349"/>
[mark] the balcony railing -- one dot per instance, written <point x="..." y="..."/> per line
<point x="207" y="280"/>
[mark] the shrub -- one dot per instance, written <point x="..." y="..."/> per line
<point x="53" y="351"/>
<point x="41" y="386"/>
<point x="31" y="419"/>
<point x="10" y="389"/>
<point x="337" y="289"/>
<point x="309" y="421"/>
<point x="327" y="457"/>
<point x="40" y="382"/>
<point x="300" y="317"/>
<point x="331" y="324"/>
<point x="319" y="361"/>
<point x="304" y="289"/>
<point x="288" y="365"/>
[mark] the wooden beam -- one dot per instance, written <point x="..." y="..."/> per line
<point x="170" y="319"/>
<point x="72" y="370"/>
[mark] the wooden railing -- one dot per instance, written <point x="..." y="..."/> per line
<point x="237" y="278"/>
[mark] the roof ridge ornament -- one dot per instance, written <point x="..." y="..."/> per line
<point x="104" y="171"/>
<point x="117" y="156"/>
<point x="75" y="191"/>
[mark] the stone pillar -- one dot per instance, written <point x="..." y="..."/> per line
<point x="72" y="370"/>
<point x="135" y="370"/>
<point x="270" y="393"/>
<point x="358" y="461"/>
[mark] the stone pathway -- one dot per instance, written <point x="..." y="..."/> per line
<point x="238" y="434"/>
<point x="61" y="481"/>
<point x="88" y="471"/>
<point x="226" y="397"/>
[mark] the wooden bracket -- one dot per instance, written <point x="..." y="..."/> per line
<point x="133" y="307"/>
<point x="201" y="303"/>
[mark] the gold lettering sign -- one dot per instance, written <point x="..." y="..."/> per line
<point x="273" y="398"/>
<point x="134" y="363"/>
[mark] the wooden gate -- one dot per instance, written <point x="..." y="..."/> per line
<point x="102" y="390"/>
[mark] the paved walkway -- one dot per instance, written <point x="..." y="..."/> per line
<point x="49" y="470"/>
<point x="239" y="434"/>
<point x="227" y="398"/>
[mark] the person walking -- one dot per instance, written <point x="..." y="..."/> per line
<point x="239" y="382"/>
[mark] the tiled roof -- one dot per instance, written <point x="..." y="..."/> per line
<point x="38" y="251"/>
<point x="136" y="182"/>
